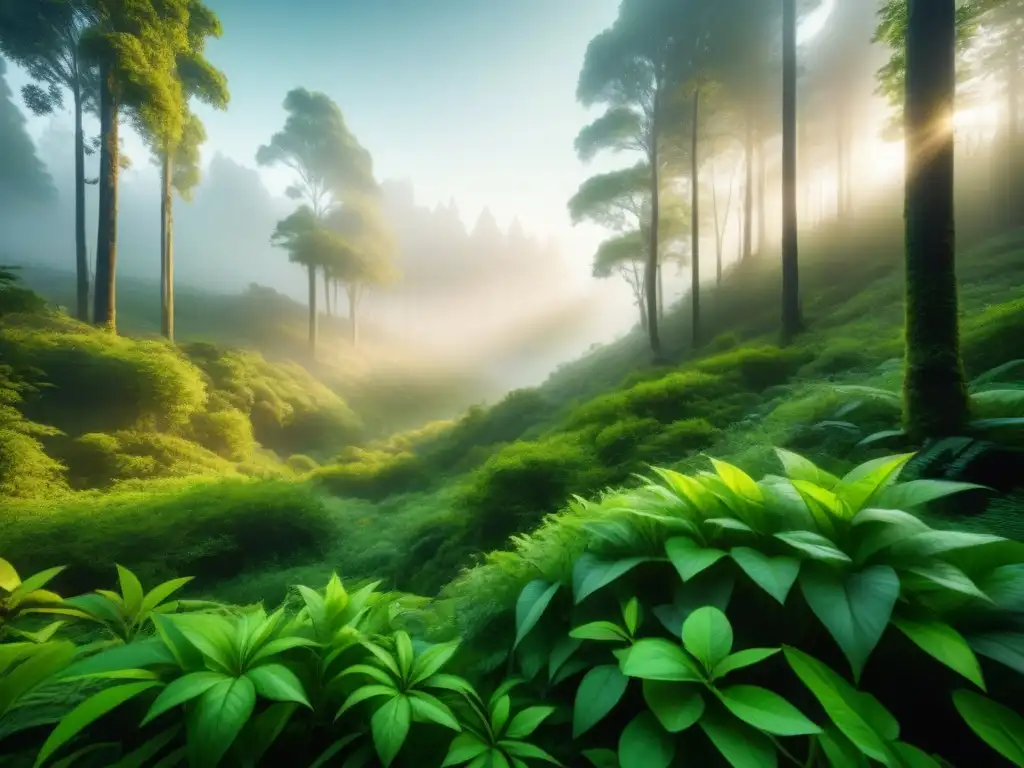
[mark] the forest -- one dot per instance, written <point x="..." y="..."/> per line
<point x="252" y="530"/>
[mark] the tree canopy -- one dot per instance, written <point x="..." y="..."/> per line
<point x="22" y="174"/>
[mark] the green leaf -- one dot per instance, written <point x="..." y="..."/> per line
<point x="365" y="693"/>
<point x="855" y="608"/>
<point x="999" y="727"/>
<point x="603" y="631"/>
<point x="914" y="757"/>
<point x="141" y="756"/>
<point x="9" y="579"/>
<point x="842" y="703"/>
<point x="932" y="543"/>
<point x="657" y="659"/>
<point x="737" y="481"/>
<point x="600" y="690"/>
<point x="840" y="751"/>
<point x="523" y="749"/>
<point x="182" y="690"/>
<point x="644" y="744"/>
<point x="131" y="591"/>
<point x="501" y="708"/>
<point x="677" y="706"/>
<point x="335" y="747"/>
<point x="464" y="747"/>
<point x="262" y="731"/>
<point x="742" y="659"/>
<point x="707" y="635"/>
<point x="403" y="652"/>
<point x="430" y="661"/>
<point x="42" y="662"/>
<point x="944" y="576"/>
<point x="1005" y="647"/>
<point x="176" y="645"/>
<point x="561" y="653"/>
<point x="602" y="758"/>
<point x="799" y="468"/>
<point x="814" y="545"/>
<point x="729" y="524"/>
<point x="916" y="493"/>
<point x="217" y="718"/>
<point x="860" y="484"/>
<point x="631" y="615"/>
<point x="590" y="574"/>
<point x="140" y="654"/>
<point x="944" y="643"/>
<point x="161" y="592"/>
<point x="427" y="708"/>
<point x="689" y="558"/>
<point x="31" y="584"/>
<point x="775" y="575"/>
<point x="278" y="683"/>
<point x="766" y="711"/>
<point x="532" y="602"/>
<point x="86" y="713"/>
<point x="390" y="726"/>
<point x="529" y="720"/>
<point x="738" y="743"/>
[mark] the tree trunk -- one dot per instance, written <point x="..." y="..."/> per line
<point x="762" y="181"/>
<point x="748" y="190"/>
<point x="792" y="322"/>
<point x="694" y="225"/>
<point x="166" y="248"/>
<point x="327" y="294"/>
<point x="1015" y="168"/>
<point x="718" y="226"/>
<point x="311" y="271"/>
<point x="105" y="297"/>
<point x="81" y="255"/>
<point x="353" y="301"/>
<point x="651" y="272"/>
<point x="841" y="167"/>
<point x="661" y="294"/>
<point x="935" y="393"/>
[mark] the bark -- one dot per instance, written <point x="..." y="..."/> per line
<point x="792" y="322"/>
<point x="935" y="392"/>
<point x="661" y="294"/>
<point x="748" y="190"/>
<point x="694" y="225"/>
<point x="81" y="254"/>
<point x="104" y="296"/>
<point x="166" y="248"/>
<point x="718" y="226"/>
<point x="353" y="302"/>
<point x="311" y="271"/>
<point x="327" y="294"/>
<point x="651" y="272"/>
<point x="762" y="182"/>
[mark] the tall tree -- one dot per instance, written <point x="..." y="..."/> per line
<point x="935" y="392"/>
<point x="134" y="44"/>
<point x="330" y="166"/>
<point x="792" y="319"/>
<point x="44" y="37"/>
<point x="179" y="144"/>
<point x="23" y="176"/>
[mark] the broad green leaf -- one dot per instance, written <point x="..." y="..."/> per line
<point x="590" y="574"/>
<point x="390" y="726"/>
<point x="217" y="717"/>
<point x="775" y="575"/>
<point x="741" y="745"/>
<point x="631" y="615"/>
<point x="376" y="673"/>
<point x="689" y="558"/>
<point x="737" y="481"/>
<point x="842" y="703"/>
<point x="142" y="755"/>
<point x="186" y="655"/>
<point x="943" y="576"/>
<point x="161" y="592"/>
<point x="645" y="744"/>
<point x="9" y="579"/>
<point x="448" y="683"/>
<point x="532" y="602"/>
<point x="914" y="757"/>
<point x="742" y="659"/>
<point x="936" y="542"/>
<point x="561" y="653"/>
<point x="999" y="727"/>
<point x="600" y="690"/>
<point x="603" y="631"/>
<point x="335" y="747"/>
<point x="799" y="468"/>
<point x="464" y="747"/>
<point x="521" y="749"/>
<point x="916" y="493"/>
<point x="365" y="693"/>
<point x="1005" y="647"/>
<point x="43" y="662"/>
<point x="526" y="722"/>
<point x="140" y="654"/>
<point x="854" y="607"/>
<point x="278" y="683"/>
<point x="86" y="713"/>
<point x="403" y="653"/>
<point x="689" y="488"/>
<point x="430" y="661"/>
<point x="825" y="506"/>
<point x="501" y="708"/>
<point x="89" y="749"/>
<point x="260" y="733"/>
<point x="676" y="705"/>
<point x="707" y="636"/>
<point x="766" y="711"/>
<point x="858" y="487"/>
<point x="814" y="545"/>
<point x="1005" y="586"/>
<point x="430" y="709"/>
<point x="840" y="751"/>
<point x="729" y="524"/>
<point x="131" y="591"/>
<point x="31" y="584"/>
<point x="279" y="645"/>
<point x="944" y="643"/>
<point x="657" y="659"/>
<point x="714" y="587"/>
<point x="182" y="690"/>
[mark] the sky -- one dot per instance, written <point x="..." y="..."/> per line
<point x="467" y="99"/>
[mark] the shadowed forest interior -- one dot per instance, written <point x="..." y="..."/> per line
<point x="406" y="418"/>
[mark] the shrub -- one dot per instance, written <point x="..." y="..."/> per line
<point x="225" y="431"/>
<point x="373" y="475"/>
<point x="758" y="367"/>
<point x="838" y="357"/>
<point x="617" y="443"/>
<point x="301" y="463"/>
<point x="678" y="439"/>
<point x="993" y="336"/>
<point x="211" y="529"/>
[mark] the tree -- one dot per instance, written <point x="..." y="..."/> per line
<point x="330" y="168"/>
<point x="626" y="254"/>
<point x="44" y="37"/>
<point x="178" y="153"/>
<point x="135" y="45"/>
<point x="792" y="320"/>
<point x="935" y="392"/>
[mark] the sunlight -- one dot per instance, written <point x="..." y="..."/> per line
<point x="815" y="22"/>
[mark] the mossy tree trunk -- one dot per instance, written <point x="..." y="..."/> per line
<point x="166" y="247"/>
<point x="695" y="224"/>
<point x="81" y="256"/>
<point x="748" y="189"/>
<point x="935" y="392"/>
<point x="104" y="297"/>
<point x="311" y="271"/>
<point x="792" y="321"/>
<point x="654" y="234"/>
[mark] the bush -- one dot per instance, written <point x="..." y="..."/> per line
<point x="301" y="464"/>
<point x="373" y="475"/>
<point x="992" y="336"/>
<point x="209" y="529"/>
<point x="226" y="432"/>
<point x="617" y="443"/>
<point x="678" y="439"/>
<point x="757" y="367"/>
